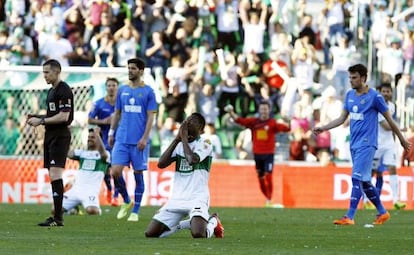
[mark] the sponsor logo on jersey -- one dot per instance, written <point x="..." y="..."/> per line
<point x="133" y="108"/>
<point x="185" y="166"/>
<point x="355" y="115"/>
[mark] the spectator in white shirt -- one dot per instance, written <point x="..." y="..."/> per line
<point x="210" y="134"/>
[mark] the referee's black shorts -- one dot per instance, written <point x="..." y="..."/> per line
<point x="56" y="147"/>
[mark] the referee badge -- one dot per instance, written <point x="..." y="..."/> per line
<point x="52" y="106"/>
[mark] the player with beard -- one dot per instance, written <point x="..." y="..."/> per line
<point x="93" y="163"/>
<point x="100" y="115"/>
<point x="133" y="118"/>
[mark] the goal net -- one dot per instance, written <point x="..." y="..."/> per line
<point x="24" y="91"/>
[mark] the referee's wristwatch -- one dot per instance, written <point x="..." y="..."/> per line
<point x="42" y="121"/>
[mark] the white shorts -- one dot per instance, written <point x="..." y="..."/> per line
<point x="385" y="156"/>
<point x="80" y="195"/>
<point x="173" y="212"/>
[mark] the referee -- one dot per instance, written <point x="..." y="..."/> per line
<point x="57" y="134"/>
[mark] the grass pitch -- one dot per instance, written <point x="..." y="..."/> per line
<point x="247" y="231"/>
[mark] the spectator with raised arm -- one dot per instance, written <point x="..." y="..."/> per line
<point x="126" y="43"/>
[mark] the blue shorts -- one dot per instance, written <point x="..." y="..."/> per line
<point x="381" y="166"/>
<point x="128" y="154"/>
<point x="362" y="163"/>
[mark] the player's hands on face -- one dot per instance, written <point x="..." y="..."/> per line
<point x="183" y="132"/>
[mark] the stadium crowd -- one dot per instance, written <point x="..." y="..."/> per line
<point x="210" y="53"/>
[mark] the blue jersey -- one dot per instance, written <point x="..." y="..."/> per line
<point x="134" y="104"/>
<point x="102" y="109"/>
<point x="363" y="111"/>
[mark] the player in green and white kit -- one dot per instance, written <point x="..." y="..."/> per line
<point x="93" y="164"/>
<point x="190" y="195"/>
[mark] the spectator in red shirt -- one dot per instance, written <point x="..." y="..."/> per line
<point x="264" y="130"/>
<point x="272" y="70"/>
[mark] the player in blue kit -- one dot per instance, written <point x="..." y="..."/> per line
<point x="134" y="115"/>
<point x="100" y="115"/>
<point x="362" y="104"/>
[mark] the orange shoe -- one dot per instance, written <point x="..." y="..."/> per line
<point x="114" y="202"/>
<point x="382" y="218"/>
<point x="344" y="221"/>
<point x="219" y="229"/>
<point x="108" y="196"/>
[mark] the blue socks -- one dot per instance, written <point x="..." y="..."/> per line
<point x="356" y="195"/>
<point x="116" y="193"/>
<point x="121" y="187"/>
<point x="378" y="184"/>
<point x="373" y="196"/>
<point x="139" y="191"/>
<point x="107" y="180"/>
